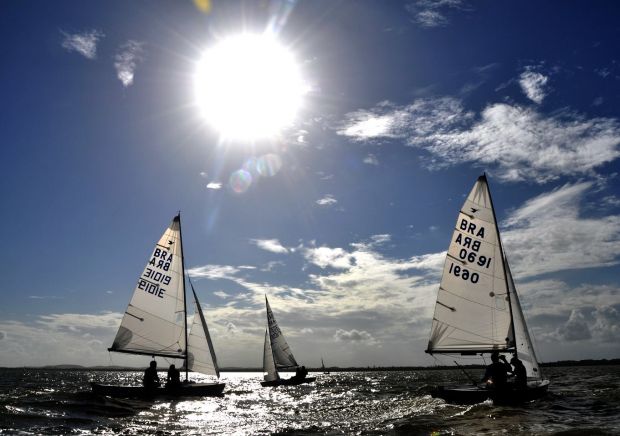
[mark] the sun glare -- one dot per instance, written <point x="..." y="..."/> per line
<point x="248" y="87"/>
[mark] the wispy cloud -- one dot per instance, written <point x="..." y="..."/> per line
<point x="533" y="84"/>
<point x="328" y="200"/>
<point x="272" y="245"/>
<point x="126" y="61"/>
<point x="433" y="13"/>
<point x="84" y="43"/>
<point x="548" y="234"/>
<point x="371" y="159"/>
<point x="521" y="143"/>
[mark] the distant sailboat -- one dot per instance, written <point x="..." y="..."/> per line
<point x="478" y="309"/>
<point x="277" y="355"/>
<point x="325" y="371"/>
<point x="155" y="323"/>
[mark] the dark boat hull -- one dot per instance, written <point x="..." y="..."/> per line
<point x="469" y="394"/>
<point x="288" y="381"/>
<point x="185" y="390"/>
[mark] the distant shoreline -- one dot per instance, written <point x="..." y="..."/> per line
<point x="587" y="362"/>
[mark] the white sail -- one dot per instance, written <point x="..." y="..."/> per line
<point x="282" y="353"/>
<point x="472" y="313"/>
<point x="201" y="355"/>
<point x="269" y="367"/>
<point x="154" y="322"/>
<point x="525" y="349"/>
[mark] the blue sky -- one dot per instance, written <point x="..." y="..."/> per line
<point x="350" y="208"/>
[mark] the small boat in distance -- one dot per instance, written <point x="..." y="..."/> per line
<point x="323" y="367"/>
<point x="155" y="323"/>
<point x="277" y="355"/>
<point x="478" y="309"/>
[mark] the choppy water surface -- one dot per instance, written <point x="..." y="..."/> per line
<point x="582" y="400"/>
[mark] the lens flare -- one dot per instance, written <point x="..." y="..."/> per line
<point x="240" y="181"/>
<point x="269" y="165"/>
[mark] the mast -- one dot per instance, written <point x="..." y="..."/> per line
<point x="504" y="262"/>
<point x="184" y="299"/>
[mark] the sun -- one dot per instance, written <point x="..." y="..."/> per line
<point x="248" y="87"/>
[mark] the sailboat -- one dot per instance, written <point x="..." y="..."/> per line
<point x="478" y="309"/>
<point x="325" y="371"/>
<point x="155" y="323"/>
<point x="277" y="355"/>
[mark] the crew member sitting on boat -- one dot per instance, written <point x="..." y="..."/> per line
<point x="301" y="373"/>
<point x="519" y="372"/>
<point x="173" y="380"/>
<point x="151" y="379"/>
<point x="496" y="373"/>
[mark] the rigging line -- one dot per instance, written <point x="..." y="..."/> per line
<point x="471" y="301"/>
<point x="151" y="341"/>
<point x="467" y="331"/>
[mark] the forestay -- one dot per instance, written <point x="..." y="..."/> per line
<point x="282" y="353"/>
<point x="201" y="355"/>
<point x="472" y="313"/>
<point x="154" y="322"/>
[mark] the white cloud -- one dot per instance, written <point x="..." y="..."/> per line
<point x="221" y="294"/>
<point x="52" y="339"/>
<point x="371" y="159"/>
<point x="214" y="185"/>
<point x="432" y="13"/>
<point x="328" y="200"/>
<point x="353" y="336"/>
<point x="533" y="85"/>
<point x="272" y="245"/>
<point x="84" y="43"/>
<point x="126" y="61"/>
<point x="213" y="272"/>
<point x="519" y="142"/>
<point x="380" y="239"/>
<point x="548" y="234"/>
<point x="329" y="257"/>
<point x="600" y="324"/>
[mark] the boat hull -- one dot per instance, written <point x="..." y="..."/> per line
<point x="469" y="394"/>
<point x="185" y="390"/>
<point x="288" y="381"/>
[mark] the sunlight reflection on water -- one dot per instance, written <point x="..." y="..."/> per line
<point x="60" y="402"/>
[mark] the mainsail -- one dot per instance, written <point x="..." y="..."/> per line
<point x="472" y="313"/>
<point x="201" y="355"/>
<point x="282" y="353"/>
<point x="154" y="322"/>
<point x="269" y="367"/>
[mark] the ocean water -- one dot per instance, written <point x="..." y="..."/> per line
<point x="582" y="400"/>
